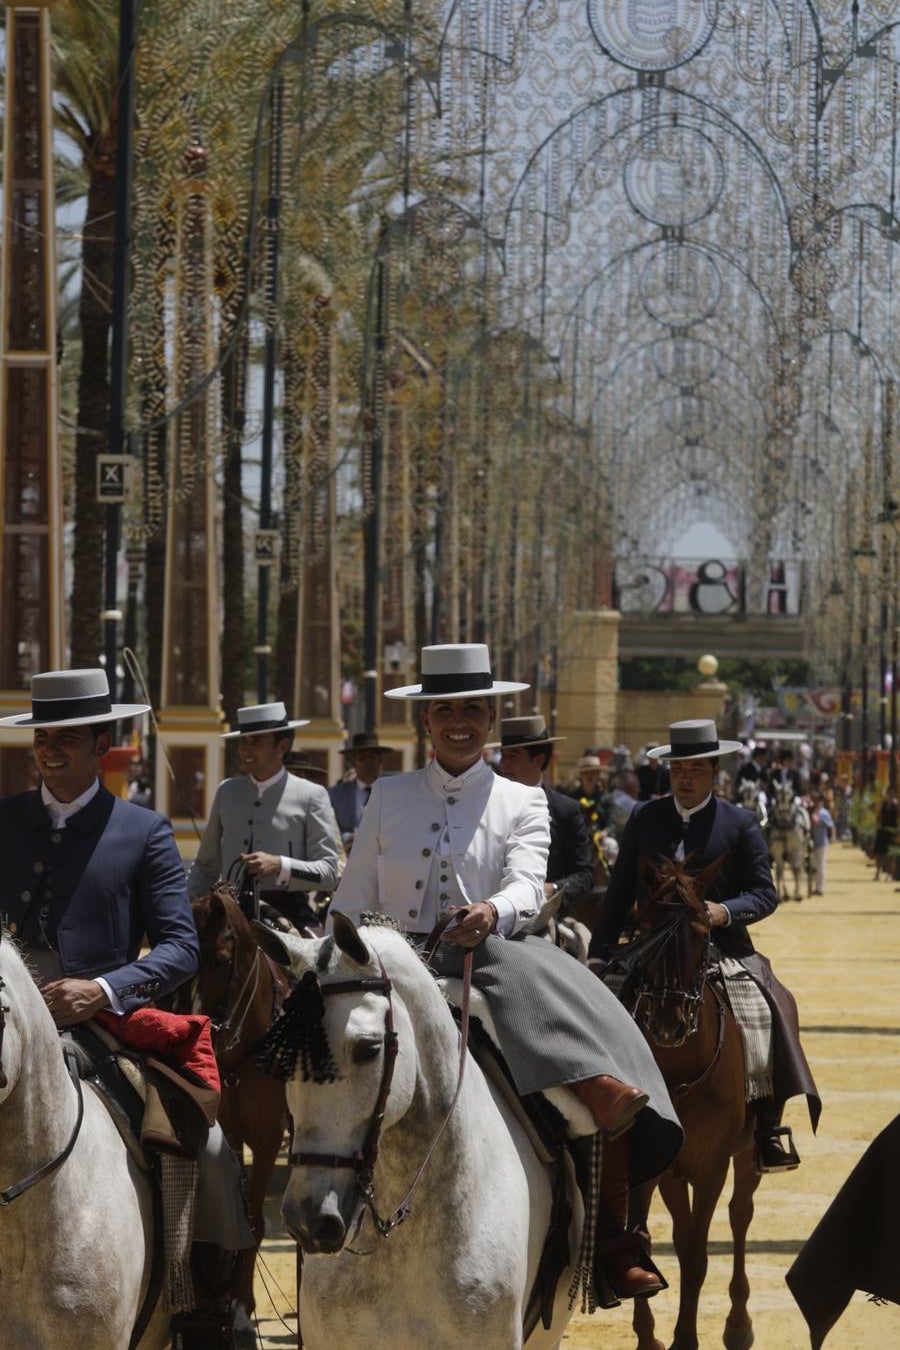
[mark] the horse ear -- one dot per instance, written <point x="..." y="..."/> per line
<point x="347" y="938"/>
<point x="269" y="941"/>
<point x="703" y="878"/>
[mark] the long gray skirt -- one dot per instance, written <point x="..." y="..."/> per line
<point x="557" y="1023"/>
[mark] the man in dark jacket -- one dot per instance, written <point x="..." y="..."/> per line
<point x="525" y="753"/>
<point x="695" y="825"/>
<point x="86" y="877"/>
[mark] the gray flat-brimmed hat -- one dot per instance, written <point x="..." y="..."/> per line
<point x="456" y="670"/>
<point x="694" y="739"/>
<point x="71" y="698"/>
<point x="262" y="717"/>
<point x="523" y="731"/>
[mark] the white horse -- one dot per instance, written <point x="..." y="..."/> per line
<point x="459" y="1272"/>
<point x="752" y="799"/>
<point x="75" y="1244"/>
<point x="788" y="838"/>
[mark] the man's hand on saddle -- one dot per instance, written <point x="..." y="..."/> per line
<point x="718" y="914"/>
<point x="71" y="1001"/>
<point x="473" y="923"/>
<point x="262" y="865"/>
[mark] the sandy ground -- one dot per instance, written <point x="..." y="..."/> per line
<point x="839" y="954"/>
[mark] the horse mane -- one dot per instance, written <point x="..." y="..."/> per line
<point x="671" y="882"/>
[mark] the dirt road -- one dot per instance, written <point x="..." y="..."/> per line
<point x="840" y="957"/>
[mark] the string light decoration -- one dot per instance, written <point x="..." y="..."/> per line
<point x="557" y="282"/>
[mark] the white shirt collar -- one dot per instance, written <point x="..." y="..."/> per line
<point x="446" y="782"/>
<point x="687" y="812"/>
<point x="60" y="811"/>
<point x="266" y="783"/>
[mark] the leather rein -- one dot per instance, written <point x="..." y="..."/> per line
<point x="364" y="1159"/>
<point x="11" y="1193"/>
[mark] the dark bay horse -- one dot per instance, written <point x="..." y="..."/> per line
<point x="678" y="1001"/>
<point x="242" y="991"/>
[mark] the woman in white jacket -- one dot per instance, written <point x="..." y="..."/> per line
<point x="455" y="837"/>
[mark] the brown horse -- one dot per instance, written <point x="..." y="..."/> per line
<point x="678" y="999"/>
<point x="242" y="991"/>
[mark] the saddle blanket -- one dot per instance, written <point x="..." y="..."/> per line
<point x="754" y="1017"/>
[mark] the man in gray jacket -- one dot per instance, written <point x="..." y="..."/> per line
<point x="271" y="834"/>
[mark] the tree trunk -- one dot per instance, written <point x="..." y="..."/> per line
<point x="95" y="317"/>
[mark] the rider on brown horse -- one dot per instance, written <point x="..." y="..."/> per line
<point x="699" y="827"/>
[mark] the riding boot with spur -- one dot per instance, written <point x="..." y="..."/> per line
<point x="774" y="1149"/>
<point x="623" y="1264"/>
<point x="209" y="1325"/>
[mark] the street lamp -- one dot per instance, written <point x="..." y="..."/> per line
<point x="864" y="557"/>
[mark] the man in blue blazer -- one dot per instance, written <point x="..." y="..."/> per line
<point x="365" y="757"/>
<point x="696" y="825"/>
<point x="86" y="878"/>
<point x="87" y="875"/>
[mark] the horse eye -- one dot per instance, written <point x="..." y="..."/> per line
<point x="364" y="1051"/>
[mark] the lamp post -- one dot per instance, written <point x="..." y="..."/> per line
<point x="864" y="557"/>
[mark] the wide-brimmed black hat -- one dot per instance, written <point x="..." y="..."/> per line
<point x="524" y="732"/>
<point x="365" y="740"/>
<point x="694" y="739"/>
<point x="262" y="717"/>
<point x="71" y="698"/>
<point x="456" y="670"/>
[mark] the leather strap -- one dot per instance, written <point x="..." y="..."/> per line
<point x="20" y="1187"/>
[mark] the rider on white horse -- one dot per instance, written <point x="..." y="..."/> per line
<point x="87" y="876"/>
<point x="455" y="839"/>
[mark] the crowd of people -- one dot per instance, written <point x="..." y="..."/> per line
<point x="477" y="844"/>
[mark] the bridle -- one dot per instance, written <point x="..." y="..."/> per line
<point x="229" y="1017"/>
<point x="11" y="1193"/>
<point x="688" y="989"/>
<point x="364" y="1159"/>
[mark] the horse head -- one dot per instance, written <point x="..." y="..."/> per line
<point x="671" y="948"/>
<point x="227" y="950"/>
<point x="346" y="1044"/>
<point x="784" y="806"/>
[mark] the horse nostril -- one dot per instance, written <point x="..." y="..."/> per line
<point x="327" y="1233"/>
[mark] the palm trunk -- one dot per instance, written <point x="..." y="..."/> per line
<point x="95" y="317"/>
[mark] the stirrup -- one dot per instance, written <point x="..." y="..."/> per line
<point x="770" y="1155"/>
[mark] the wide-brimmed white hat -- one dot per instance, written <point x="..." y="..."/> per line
<point x="523" y="732"/>
<point x="262" y="717"/>
<point x="456" y="670"/>
<point x="694" y="739"/>
<point x="71" y="698"/>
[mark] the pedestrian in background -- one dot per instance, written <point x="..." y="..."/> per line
<point x="886" y="833"/>
<point x="822" y="825"/>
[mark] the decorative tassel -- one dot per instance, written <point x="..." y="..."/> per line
<point x="583" y="1277"/>
<point x="298" y="1036"/>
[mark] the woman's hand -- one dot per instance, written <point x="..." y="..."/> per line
<point x="473" y="924"/>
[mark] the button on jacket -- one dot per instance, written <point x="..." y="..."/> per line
<point x="498" y="834"/>
<point x="95" y="888"/>
<point x="292" y="819"/>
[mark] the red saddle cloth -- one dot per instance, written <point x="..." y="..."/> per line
<point x="181" y="1040"/>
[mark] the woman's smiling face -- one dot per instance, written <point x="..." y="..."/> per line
<point x="459" y="728"/>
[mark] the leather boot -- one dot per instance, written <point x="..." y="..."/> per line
<point x="774" y="1149"/>
<point x="613" y="1105"/>
<point x="209" y="1325"/>
<point x="623" y="1256"/>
